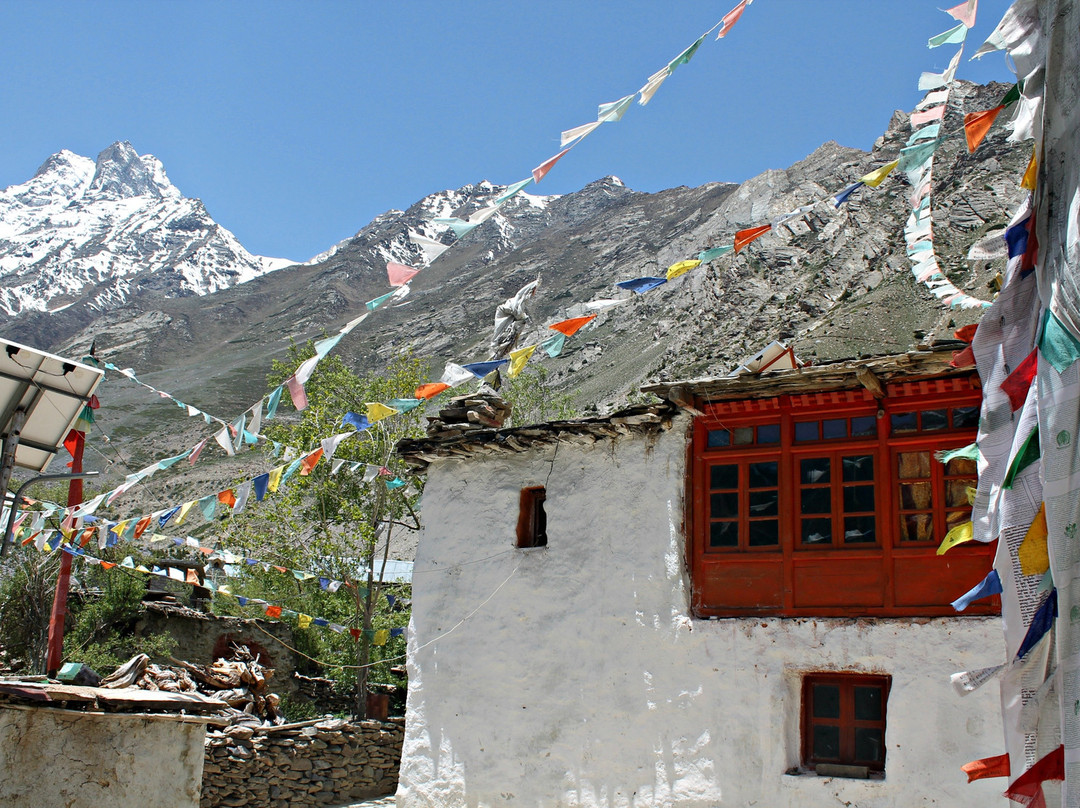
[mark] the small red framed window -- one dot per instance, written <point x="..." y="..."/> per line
<point x="844" y="719"/>
<point x="532" y="518"/>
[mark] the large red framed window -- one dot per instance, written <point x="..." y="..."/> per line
<point x="815" y="505"/>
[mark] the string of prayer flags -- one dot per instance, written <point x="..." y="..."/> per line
<point x="399" y="274"/>
<point x="681" y="268"/>
<point x="571" y="326"/>
<point x="732" y="17"/>
<point x="958" y="535"/>
<point x="1033" y="554"/>
<point x="542" y="170"/>
<point x="518" y="359"/>
<point x="988" y="586"/>
<point x="744" y="237"/>
<point x="642" y="285"/>
<point x="1027" y="788"/>
<point x="977" y="124"/>
<point x="996" y="766"/>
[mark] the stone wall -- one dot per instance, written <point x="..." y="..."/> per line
<point x="333" y="762"/>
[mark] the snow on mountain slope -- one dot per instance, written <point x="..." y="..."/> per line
<point x="97" y="231"/>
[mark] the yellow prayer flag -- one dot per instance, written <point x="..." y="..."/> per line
<point x="381" y="636"/>
<point x="1030" y="175"/>
<point x="376" y="411"/>
<point x="518" y="359"/>
<point x="303" y="620"/>
<point x="180" y="517"/>
<point x="875" y="177"/>
<point x="1033" y="554"/>
<point x="275" y="479"/>
<point x="120" y="527"/>
<point x="958" y="535"/>
<point x="681" y="268"/>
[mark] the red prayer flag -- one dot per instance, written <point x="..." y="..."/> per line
<point x="355" y="633"/>
<point x="965" y="12"/>
<point x="744" y="237"/>
<point x="430" y="390"/>
<point x="310" y="462"/>
<point x="297" y="392"/>
<point x="1017" y="384"/>
<point x="541" y="170"/>
<point x="71" y="442"/>
<point x="572" y="326"/>
<point x="997" y="766"/>
<point x="730" y="19"/>
<point x="963" y="359"/>
<point x="227" y="496"/>
<point x="1027" y="788"/>
<point x="967" y="333"/>
<point x="400" y="274"/>
<point x="977" y="124"/>
<point x="273" y="611"/>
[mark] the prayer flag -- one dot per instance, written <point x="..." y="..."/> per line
<point x="273" y="611"/>
<point x="652" y="85"/>
<point x="275" y="479"/>
<point x="375" y="302"/>
<point x="141" y="526"/>
<point x="1027" y="788"/>
<point x="571" y="326"/>
<point x="1017" y="383"/>
<point x="932" y="99"/>
<point x="330" y="445"/>
<point x="459" y="226"/>
<point x="600" y="305"/>
<point x="705" y="256"/>
<point x="403" y="404"/>
<point x="1027" y="454"/>
<point x="918" y="118"/>
<point x="1033" y="553"/>
<point x="988" y="586"/>
<point x="260" y="484"/>
<point x="744" y="237"/>
<point x="958" y="535"/>
<point x="875" y="177"/>
<point x="455" y="375"/>
<point x="965" y="12"/>
<point x="997" y="766"/>
<point x="686" y="55"/>
<point x="482" y="369"/>
<point x="614" y="110"/>
<point x="291" y="470"/>
<point x="926" y="133"/>
<point x="397" y="482"/>
<point x="355" y="419"/>
<point x="1041" y="622"/>
<point x="542" y="170"/>
<point x="322" y="348"/>
<point x="381" y="636"/>
<point x="1013" y="95"/>
<point x="310" y="461"/>
<point x="954" y="36"/>
<point x="167" y="515"/>
<point x="296" y="391"/>
<point x="376" y="411"/>
<point x="977" y="124"/>
<point x="227" y="497"/>
<point x="430" y="390"/>
<point x="511" y="191"/>
<point x="1030" y="174"/>
<point x="518" y="359"/>
<point x="224" y="440"/>
<point x="399" y="274"/>
<point x="208" y="505"/>
<point x="431" y="248"/>
<point x="272" y="403"/>
<point x="303" y="620"/>
<point x="335" y="467"/>
<point x="845" y="194"/>
<point x="681" y="268"/>
<point x="912" y="157"/>
<point x="578" y="132"/>
<point x="730" y="19"/>
<point x="642" y="285"/>
<point x="553" y="345"/>
<point x="1058" y="345"/>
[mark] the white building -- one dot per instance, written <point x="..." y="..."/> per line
<point x="725" y="595"/>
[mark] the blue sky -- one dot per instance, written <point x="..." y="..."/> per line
<point x="298" y="122"/>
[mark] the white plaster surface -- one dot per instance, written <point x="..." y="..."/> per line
<point x="577" y="677"/>
<point x="52" y="758"/>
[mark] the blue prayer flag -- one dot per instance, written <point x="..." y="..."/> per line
<point x="482" y="369"/>
<point x="1041" y="622"/>
<point x="260" y="484"/>
<point x="990" y="585"/>
<point x="641" y="285"/>
<point x="357" y="420"/>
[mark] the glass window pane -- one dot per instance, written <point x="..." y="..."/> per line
<point x="814" y="470"/>
<point x="724" y="505"/>
<point x="904" y="422"/>
<point x="834" y="428"/>
<point x="956" y="493"/>
<point x="826" y="701"/>
<point x="768" y="433"/>
<point x="913" y="465"/>
<point x="718" y="437"/>
<point x="867" y="703"/>
<point x="826" y="742"/>
<point x="816" y="531"/>
<point x="763" y="503"/>
<point x="965" y="417"/>
<point x="744" y="435"/>
<point x="869" y="744"/>
<point x="961" y="466"/>
<point x="916" y="527"/>
<point x="764" y="532"/>
<point x="807" y="430"/>
<point x="858" y="498"/>
<point x="724" y="534"/>
<point x="816" y="500"/>
<point x="864" y="426"/>
<point x="860" y="530"/>
<point x="858" y="469"/>
<point x="935" y="419"/>
<point x="764" y="475"/>
<point x="954" y="518"/>
<point x="914" y="496"/>
<point x="723" y="477"/>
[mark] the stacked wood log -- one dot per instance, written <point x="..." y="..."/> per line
<point x="484" y="409"/>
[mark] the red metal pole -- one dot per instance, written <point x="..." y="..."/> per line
<point x="63" y="581"/>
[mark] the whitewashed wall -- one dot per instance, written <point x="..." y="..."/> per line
<point x="572" y="675"/>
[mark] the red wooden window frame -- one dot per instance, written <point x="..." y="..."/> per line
<point x="847" y="722"/>
<point x="732" y="575"/>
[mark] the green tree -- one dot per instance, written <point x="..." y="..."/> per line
<point x="533" y="400"/>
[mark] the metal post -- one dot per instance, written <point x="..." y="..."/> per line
<point x="11" y="442"/>
<point x="10" y="527"/>
<point x="63" y="581"/>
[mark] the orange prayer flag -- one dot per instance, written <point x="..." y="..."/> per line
<point x="430" y="390"/>
<point x="310" y="462"/>
<point x="107" y="565"/>
<point x="280" y="569"/>
<point x="997" y="766"/>
<point x="192" y="577"/>
<point x="227" y="496"/>
<point x="572" y="326"/>
<point x="967" y="333"/>
<point x="977" y="124"/>
<point x="744" y="237"/>
<point x="141" y="526"/>
<point x="273" y="611"/>
<point x="87" y="534"/>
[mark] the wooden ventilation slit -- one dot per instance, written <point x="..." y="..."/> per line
<point x="532" y="519"/>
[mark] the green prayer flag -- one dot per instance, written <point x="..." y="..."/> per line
<point x="954" y="36"/>
<point x="1028" y="454"/>
<point x="272" y="402"/>
<point x="705" y="256"/>
<point x="686" y="55"/>
<point x="208" y="505"/>
<point x="378" y="301"/>
<point x="1013" y="95"/>
<point x="1057" y="344"/>
<point x="969" y="452"/>
<point x="404" y="404"/>
<point x="553" y="346"/>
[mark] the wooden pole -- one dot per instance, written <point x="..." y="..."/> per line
<point x="55" y="655"/>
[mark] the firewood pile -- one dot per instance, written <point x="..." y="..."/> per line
<point x="484" y="409"/>
<point x="241" y="683"/>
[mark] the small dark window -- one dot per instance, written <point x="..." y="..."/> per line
<point x="718" y="438"/>
<point x="844" y="719"/>
<point x="965" y="417"/>
<point x="806" y="430"/>
<point x="768" y="433"/>
<point x="532" y="520"/>
<point x="904" y="422"/>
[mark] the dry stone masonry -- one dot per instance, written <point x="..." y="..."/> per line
<point x="332" y="762"/>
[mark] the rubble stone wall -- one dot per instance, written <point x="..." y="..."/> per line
<point x="334" y="762"/>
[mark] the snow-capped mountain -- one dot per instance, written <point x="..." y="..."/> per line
<point x="98" y="231"/>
